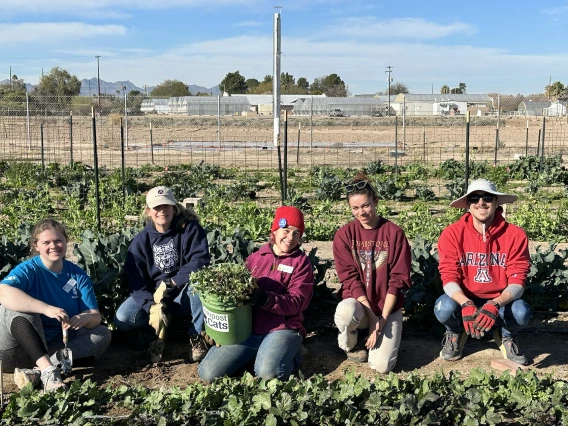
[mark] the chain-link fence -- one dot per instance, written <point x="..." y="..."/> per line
<point x="233" y="132"/>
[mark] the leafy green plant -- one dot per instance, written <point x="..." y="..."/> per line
<point x="451" y="169"/>
<point x="231" y="249"/>
<point x="229" y="283"/>
<point x="424" y="193"/>
<point x="456" y="188"/>
<point x="377" y="168"/>
<point x="13" y="252"/>
<point x="547" y="282"/>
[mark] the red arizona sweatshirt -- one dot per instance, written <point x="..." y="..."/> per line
<point x="372" y="262"/>
<point x="483" y="269"/>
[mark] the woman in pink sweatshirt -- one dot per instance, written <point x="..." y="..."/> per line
<point x="285" y="285"/>
<point x="372" y="260"/>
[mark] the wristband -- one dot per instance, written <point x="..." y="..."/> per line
<point x="467" y="303"/>
<point x="494" y="303"/>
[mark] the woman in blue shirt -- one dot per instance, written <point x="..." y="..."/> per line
<point x="39" y="299"/>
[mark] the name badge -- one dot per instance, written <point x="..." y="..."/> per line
<point x="70" y="284"/>
<point x="285" y="268"/>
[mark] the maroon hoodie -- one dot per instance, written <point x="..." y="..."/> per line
<point x="289" y="281"/>
<point x="372" y="262"/>
<point x="483" y="269"/>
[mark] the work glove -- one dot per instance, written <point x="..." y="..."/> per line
<point x="259" y="297"/>
<point x="469" y="313"/>
<point x="487" y="316"/>
<point x="170" y="293"/>
<point x="208" y="339"/>
<point x="159" y="318"/>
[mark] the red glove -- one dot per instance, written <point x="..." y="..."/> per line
<point x="487" y="316"/>
<point x="469" y="312"/>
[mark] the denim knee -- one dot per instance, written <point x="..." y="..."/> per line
<point x="271" y="370"/>
<point x="206" y="372"/>
<point x="521" y="312"/>
<point x="445" y="308"/>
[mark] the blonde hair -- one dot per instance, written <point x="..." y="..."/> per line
<point x="183" y="214"/>
<point x="44" y="225"/>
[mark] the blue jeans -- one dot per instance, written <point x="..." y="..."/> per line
<point x="129" y="316"/>
<point x="512" y="317"/>
<point x="276" y="355"/>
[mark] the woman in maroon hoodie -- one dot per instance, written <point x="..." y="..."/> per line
<point x="285" y="280"/>
<point x="372" y="260"/>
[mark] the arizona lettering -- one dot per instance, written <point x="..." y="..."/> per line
<point x="483" y="259"/>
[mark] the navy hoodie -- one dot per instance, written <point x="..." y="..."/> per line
<point x="154" y="256"/>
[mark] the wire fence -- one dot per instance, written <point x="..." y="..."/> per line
<point x="233" y="133"/>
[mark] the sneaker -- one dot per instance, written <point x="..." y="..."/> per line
<point x="23" y="376"/>
<point x="51" y="379"/>
<point x="509" y="348"/>
<point x="358" y="354"/>
<point x="452" y="345"/>
<point x="198" y="349"/>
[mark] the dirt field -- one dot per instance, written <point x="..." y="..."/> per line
<point x="248" y="142"/>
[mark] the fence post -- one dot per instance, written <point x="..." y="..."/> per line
<point x="126" y="119"/>
<point x="42" y="151"/>
<point x="466" y="150"/>
<point x="28" y="121"/>
<point x="285" y="154"/>
<point x="396" y="143"/>
<point x="96" y="167"/>
<point x="527" y="141"/>
<point x="542" y="143"/>
<point x="424" y="144"/>
<point x="496" y="145"/>
<point x="122" y="160"/>
<point x="152" y="144"/>
<point x="71" y="138"/>
<point x="298" y="147"/>
<point x="218" y="123"/>
<point x="538" y="143"/>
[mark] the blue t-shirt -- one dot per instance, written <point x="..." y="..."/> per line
<point x="71" y="289"/>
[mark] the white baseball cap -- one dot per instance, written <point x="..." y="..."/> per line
<point x="485" y="186"/>
<point x="160" y="195"/>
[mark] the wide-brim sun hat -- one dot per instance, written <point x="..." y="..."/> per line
<point x="485" y="186"/>
<point x="160" y="195"/>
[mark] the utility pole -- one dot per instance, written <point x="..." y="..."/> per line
<point x="388" y="71"/>
<point x="10" y="76"/>
<point x="99" y="81"/>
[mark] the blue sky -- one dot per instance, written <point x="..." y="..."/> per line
<point x="500" y="46"/>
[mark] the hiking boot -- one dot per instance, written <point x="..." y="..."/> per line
<point x="23" y="376"/>
<point x="508" y="347"/>
<point x="198" y="348"/>
<point x="358" y="354"/>
<point x="51" y="379"/>
<point x="452" y="345"/>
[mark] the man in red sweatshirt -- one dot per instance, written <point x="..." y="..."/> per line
<point x="484" y="263"/>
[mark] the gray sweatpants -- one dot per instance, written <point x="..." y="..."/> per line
<point x="85" y="342"/>
<point x="350" y="316"/>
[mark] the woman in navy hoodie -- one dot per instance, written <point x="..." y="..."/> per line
<point x="285" y="279"/>
<point x="171" y="246"/>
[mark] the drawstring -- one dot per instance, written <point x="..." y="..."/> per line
<point x="484" y="238"/>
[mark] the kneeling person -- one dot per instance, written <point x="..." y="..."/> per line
<point x="484" y="262"/>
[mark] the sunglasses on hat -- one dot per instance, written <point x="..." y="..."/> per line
<point x="474" y="198"/>
<point x="351" y="187"/>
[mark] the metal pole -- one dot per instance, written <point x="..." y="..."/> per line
<point x="496" y="145"/>
<point x="403" y="122"/>
<point x="538" y="143"/>
<point x="527" y="141"/>
<point x="424" y="144"/>
<point x="125" y="122"/>
<point x="71" y="137"/>
<point x="99" y="81"/>
<point x="218" y="121"/>
<point x="152" y="144"/>
<point x="498" y="110"/>
<point x="466" y="149"/>
<point x="285" y="154"/>
<point x="280" y="173"/>
<point x="396" y="143"/>
<point x="122" y="158"/>
<point x="96" y="166"/>
<point x="1" y="386"/>
<point x="542" y="144"/>
<point x="28" y="121"/>
<point x="42" y="152"/>
<point x="276" y="78"/>
<point x="298" y="146"/>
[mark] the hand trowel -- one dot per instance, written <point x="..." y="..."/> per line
<point x="65" y="355"/>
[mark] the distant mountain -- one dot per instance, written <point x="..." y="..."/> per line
<point x="89" y="87"/>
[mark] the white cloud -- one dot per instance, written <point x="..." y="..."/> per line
<point x="48" y="32"/>
<point x="403" y="28"/>
<point x="103" y="8"/>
